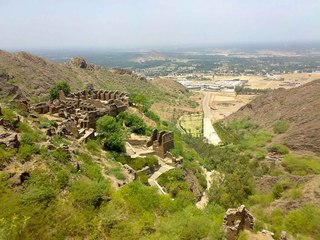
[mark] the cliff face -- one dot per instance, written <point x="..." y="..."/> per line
<point x="300" y="107"/>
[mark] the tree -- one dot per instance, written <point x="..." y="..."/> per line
<point x="133" y="122"/>
<point x="54" y="91"/>
<point x="111" y="133"/>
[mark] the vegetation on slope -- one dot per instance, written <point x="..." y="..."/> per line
<point x="24" y="70"/>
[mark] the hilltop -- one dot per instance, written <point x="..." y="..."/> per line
<point x="297" y="108"/>
<point x="33" y="76"/>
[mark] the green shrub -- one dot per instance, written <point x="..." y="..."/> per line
<point x="116" y="171"/>
<point x="54" y="91"/>
<point x="94" y="147"/>
<point x="111" y="133"/>
<point x="63" y="178"/>
<point x="5" y="155"/>
<point x="26" y="151"/>
<point x="58" y="140"/>
<point x="60" y="155"/>
<point x="280" y="127"/>
<point x="143" y="178"/>
<point x="279" y="148"/>
<point x="91" y="169"/>
<point x="89" y="193"/>
<point x="279" y="188"/>
<point x="134" y="122"/>
<point x="39" y="188"/>
<point x="305" y="220"/>
<point x="29" y="135"/>
<point x="8" y="114"/>
<point x="296" y="193"/>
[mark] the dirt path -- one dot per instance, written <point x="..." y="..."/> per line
<point x="210" y="177"/>
<point x="153" y="179"/>
<point x="208" y="131"/>
<point x="204" y="199"/>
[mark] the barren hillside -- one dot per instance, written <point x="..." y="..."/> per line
<point x="299" y="107"/>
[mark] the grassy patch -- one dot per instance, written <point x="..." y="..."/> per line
<point x="226" y="136"/>
<point x="301" y="165"/>
<point x="116" y="171"/>
<point x="280" y="127"/>
<point x="139" y="163"/>
<point x="192" y="124"/>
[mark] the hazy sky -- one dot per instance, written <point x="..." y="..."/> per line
<point x="26" y="24"/>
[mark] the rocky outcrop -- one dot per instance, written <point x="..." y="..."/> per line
<point x="236" y="220"/>
<point x="9" y="140"/>
<point x="78" y="62"/>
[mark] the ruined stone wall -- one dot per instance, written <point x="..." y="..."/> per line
<point x="83" y="108"/>
<point x="236" y="220"/>
<point x="161" y="142"/>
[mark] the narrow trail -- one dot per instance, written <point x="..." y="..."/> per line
<point x="204" y="199"/>
<point x="153" y="179"/>
<point x="209" y="177"/>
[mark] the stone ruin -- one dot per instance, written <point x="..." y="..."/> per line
<point x="236" y="220"/>
<point x="8" y="135"/>
<point x="82" y="109"/>
<point x="162" y="142"/>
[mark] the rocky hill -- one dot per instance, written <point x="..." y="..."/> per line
<point x="24" y="73"/>
<point x="298" y="107"/>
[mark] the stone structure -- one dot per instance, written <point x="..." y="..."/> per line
<point x="236" y="220"/>
<point x="82" y="109"/>
<point x="161" y="142"/>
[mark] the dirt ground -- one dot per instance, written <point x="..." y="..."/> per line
<point x="224" y="104"/>
<point x="168" y="111"/>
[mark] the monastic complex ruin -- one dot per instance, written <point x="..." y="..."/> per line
<point x="82" y="109"/>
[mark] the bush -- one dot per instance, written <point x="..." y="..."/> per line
<point x="8" y="114"/>
<point x="280" y="127"/>
<point x="60" y="155"/>
<point x="111" y="133"/>
<point x="88" y="193"/>
<point x="279" y="188"/>
<point x="5" y="155"/>
<point x="63" y="178"/>
<point x="39" y="188"/>
<point x="304" y="221"/>
<point x="116" y="171"/>
<point x="279" y="148"/>
<point x="54" y="91"/>
<point x="94" y="147"/>
<point x="26" y="151"/>
<point x="134" y="122"/>
<point x="91" y="169"/>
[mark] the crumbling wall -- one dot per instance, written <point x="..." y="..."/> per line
<point x="236" y="220"/>
<point x="161" y="142"/>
